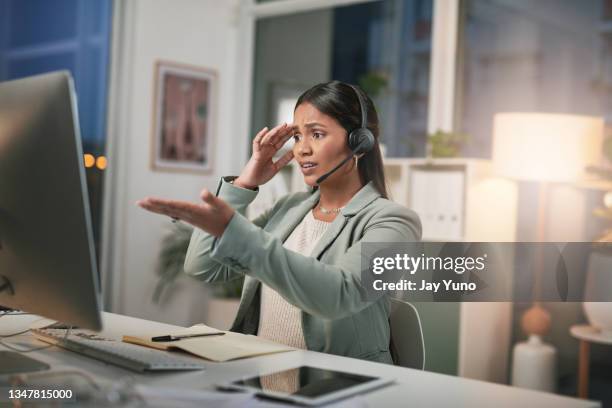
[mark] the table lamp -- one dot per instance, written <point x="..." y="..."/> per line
<point x="544" y="148"/>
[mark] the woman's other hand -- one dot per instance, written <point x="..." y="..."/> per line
<point x="212" y="215"/>
<point x="260" y="168"/>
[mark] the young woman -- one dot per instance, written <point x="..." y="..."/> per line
<point x="301" y="258"/>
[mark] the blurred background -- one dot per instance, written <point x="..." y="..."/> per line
<point x="439" y="72"/>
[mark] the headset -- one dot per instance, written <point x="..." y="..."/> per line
<point x="360" y="140"/>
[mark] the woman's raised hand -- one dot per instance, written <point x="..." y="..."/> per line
<point x="211" y="215"/>
<point x="260" y="168"/>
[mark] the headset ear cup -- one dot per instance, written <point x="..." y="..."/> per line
<point x="353" y="140"/>
<point x="361" y="141"/>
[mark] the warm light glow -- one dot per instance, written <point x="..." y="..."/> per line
<point x="101" y="162"/>
<point x="608" y="199"/>
<point x="89" y="160"/>
<point x="545" y="147"/>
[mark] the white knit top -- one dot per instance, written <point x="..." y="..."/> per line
<point x="279" y="320"/>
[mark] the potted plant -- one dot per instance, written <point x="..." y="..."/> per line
<point x="224" y="304"/>
<point x="446" y="144"/>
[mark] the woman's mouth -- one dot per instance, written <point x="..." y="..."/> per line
<point x="308" y="167"/>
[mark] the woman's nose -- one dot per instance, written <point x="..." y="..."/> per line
<point x="304" y="148"/>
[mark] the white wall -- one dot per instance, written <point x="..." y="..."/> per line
<point x="196" y="32"/>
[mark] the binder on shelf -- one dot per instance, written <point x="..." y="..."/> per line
<point x="438" y="197"/>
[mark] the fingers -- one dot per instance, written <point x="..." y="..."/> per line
<point x="157" y="206"/>
<point x="276" y="137"/>
<point x="207" y="196"/>
<point x="257" y="139"/>
<point x="268" y="137"/>
<point x="178" y="209"/>
<point x="282" y="139"/>
<point x="284" y="160"/>
<point x="154" y="207"/>
<point x="211" y="216"/>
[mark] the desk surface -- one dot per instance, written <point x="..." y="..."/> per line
<point x="413" y="387"/>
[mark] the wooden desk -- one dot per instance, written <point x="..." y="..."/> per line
<point x="412" y="388"/>
<point x="586" y="334"/>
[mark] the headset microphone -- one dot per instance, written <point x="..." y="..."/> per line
<point x="329" y="173"/>
<point x="360" y="140"/>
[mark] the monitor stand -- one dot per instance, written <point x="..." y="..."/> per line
<point x="15" y="363"/>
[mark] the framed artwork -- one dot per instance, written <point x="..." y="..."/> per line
<point x="184" y="114"/>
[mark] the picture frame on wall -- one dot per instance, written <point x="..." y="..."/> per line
<point x="184" y="114"/>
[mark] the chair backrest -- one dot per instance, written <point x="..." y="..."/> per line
<point x="407" y="344"/>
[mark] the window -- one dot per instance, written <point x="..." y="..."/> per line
<point x="384" y="46"/>
<point x="520" y="55"/>
<point x="38" y="36"/>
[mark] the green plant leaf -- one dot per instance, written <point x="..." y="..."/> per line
<point x="171" y="262"/>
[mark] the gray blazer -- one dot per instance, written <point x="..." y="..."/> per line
<point x="326" y="285"/>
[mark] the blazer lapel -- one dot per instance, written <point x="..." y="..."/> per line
<point x="363" y="197"/>
<point x="294" y="216"/>
<point x="330" y="235"/>
<point x="245" y="321"/>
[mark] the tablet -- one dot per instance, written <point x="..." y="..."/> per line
<point x="308" y="385"/>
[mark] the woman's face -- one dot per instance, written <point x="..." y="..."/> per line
<point x="320" y="144"/>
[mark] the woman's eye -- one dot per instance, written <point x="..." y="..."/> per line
<point x="318" y="135"/>
<point x="296" y="138"/>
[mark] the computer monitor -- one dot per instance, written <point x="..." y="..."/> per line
<point x="47" y="256"/>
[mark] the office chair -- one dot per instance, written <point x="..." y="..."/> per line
<point x="407" y="344"/>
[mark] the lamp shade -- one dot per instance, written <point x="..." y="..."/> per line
<point x="545" y="147"/>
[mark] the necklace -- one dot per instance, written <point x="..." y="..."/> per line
<point x="330" y="211"/>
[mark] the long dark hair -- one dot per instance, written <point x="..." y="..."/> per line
<point x="338" y="100"/>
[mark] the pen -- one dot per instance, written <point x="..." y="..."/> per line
<point x="170" y="337"/>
